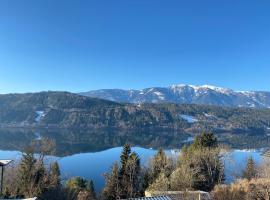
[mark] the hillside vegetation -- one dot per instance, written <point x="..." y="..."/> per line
<point x="65" y="110"/>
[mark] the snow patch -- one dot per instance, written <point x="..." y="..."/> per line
<point x="160" y="95"/>
<point x="203" y="88"/>
<point x="188" y="140"/>
<point x="38" y="136"/>
<point x="208" y="115"/>
<point x="40" y="115"/>
<point x="189" y="118"/>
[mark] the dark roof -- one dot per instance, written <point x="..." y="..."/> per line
<point x="152" y="198"/>
<point x="179" y="196"/>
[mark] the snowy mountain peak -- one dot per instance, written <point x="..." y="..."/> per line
<point x="202" y="87"/>
<point x="184" y="93"/>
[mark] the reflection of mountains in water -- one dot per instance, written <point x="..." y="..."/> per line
<point x="72" y="141"/>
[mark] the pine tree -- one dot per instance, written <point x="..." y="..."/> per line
<point x="91" y="190"/>
<point x="53" y="190"/>
<point x="205" y="140"/>
<point x="133" y="175"/>
<point x="123" y="176"/>
<point x="162" y="183"/>
<point x="76" y="184"/>
<point x="160" y="164"/>
<point x="124" y="182"/>
<point x="209" y="140"/>
<point x="55" y="175"/>
<point x="124" y="158"/>
<point x="202" y="160"/>
<point x="250" y="171"/>
<point x="112" y="190"/>
<point x="26" y="172"/>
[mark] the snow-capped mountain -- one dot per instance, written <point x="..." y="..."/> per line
<point x="205" y="94"/>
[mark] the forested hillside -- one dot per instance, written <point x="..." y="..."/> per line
<point x="65" y="110"/>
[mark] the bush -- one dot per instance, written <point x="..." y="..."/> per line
<point x="255" y="189"/>
<point x="225" y="192"/>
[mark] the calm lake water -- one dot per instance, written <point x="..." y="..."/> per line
<point x="91" y="153"/>
<point x="94" y="165"/>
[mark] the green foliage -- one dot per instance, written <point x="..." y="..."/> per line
<point x="251" y="170"/>
<point x="201" y="163"/>
<point x="112" y="189"/>
<point x="160" y="163"/>
<point x="55" y="175"/>
<point x="199" y="167"/>
<point x="80" y="188"/>
<point x="126" y="181"/>
<point x="161" y="183"/>
<point x="32" y="175"/>
<point x="66" y="110"/>
<point x="205" y="140"/>
<point x="76" y="183"/>
<point x="124" y="159"/>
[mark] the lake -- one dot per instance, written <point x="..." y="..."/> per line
<point x="90" y="154"/>
<point x="94" y="165"/>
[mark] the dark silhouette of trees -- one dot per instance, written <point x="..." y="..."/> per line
<point x="251" y="170"/>
<point x="124" y="182"/>
<point x="79" y="188"/>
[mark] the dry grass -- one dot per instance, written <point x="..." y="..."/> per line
<point x="243" y="190"/>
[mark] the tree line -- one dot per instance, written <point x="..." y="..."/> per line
<point x="199" y="167"/>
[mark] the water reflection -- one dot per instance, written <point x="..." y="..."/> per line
<point x="75" y="141"/>
<point x="94" y="165"/>
<point x="90" y="153"/>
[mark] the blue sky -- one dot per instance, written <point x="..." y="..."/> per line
<point x="83" y="45"/>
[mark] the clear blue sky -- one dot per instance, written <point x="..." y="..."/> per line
<point x="81" y="45"/>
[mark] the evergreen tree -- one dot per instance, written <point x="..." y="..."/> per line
<point x="91" y="190"/>
<point x="124" y="158"/>
<point x="127" y="178"/>
<point x="32" y="175"/>
<point x="80" y="188"/>
<point x="55" y="175"/>
<point x="123" y="174"/>
<point x="162" y="183"/>
<point x="133" y="175"/>
<point x="203" y="161"/>
<point x="160" y="163"/>
<point x="76" y="184"/>
<point x="32" y="178"/>
<point x="250" y="171"/>
<point x="205" y="140"/>
<point x="112" y="191"/>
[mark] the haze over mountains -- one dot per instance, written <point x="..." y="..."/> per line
<point x="187" y="94"/>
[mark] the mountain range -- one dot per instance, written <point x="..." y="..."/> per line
<point x="69" y="110"/>
<point x="186" y="94"/>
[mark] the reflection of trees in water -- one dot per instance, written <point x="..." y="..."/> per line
<point x="15" y="139"/>
<point x="71" y="141"/>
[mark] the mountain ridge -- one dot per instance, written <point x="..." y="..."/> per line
<point x="186" y="94"/>
<point x="68" y="110"/>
